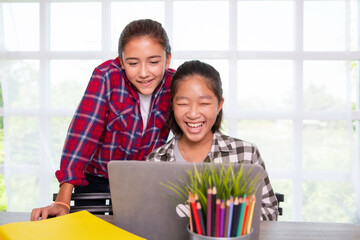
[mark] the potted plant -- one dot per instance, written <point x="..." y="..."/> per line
<point x="220" y="198"/>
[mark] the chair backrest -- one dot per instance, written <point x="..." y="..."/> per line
<point x="104" y="208"/>
<point x="280" y="198"/>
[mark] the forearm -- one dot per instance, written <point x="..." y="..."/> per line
<point x="65" y="192"/>
<point x="269" y="204"/>
<point x="64" y="197"/>
<point x="269" y="213"/>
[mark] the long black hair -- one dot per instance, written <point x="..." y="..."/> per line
<point x="213" y="81"/>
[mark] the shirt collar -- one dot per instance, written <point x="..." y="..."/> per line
<point x="116" y="63"/>
<point x="221" y="144"/>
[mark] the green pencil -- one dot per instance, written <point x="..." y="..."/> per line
<point x="241" y="217"/>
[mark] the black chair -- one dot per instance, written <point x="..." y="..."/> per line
<point x="280" y="198"/>
<point x="104" y="209"/>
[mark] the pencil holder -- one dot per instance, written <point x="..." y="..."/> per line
<point x="195" y="236"/>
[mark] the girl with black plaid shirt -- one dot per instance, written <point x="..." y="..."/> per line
<point x="195" y="119"/>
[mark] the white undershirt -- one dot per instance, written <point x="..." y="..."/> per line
<point x="145" y="101"/>
<point x="177" y="153"/>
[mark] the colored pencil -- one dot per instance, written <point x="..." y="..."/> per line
<point x="193" y="221"/>
<point x="196" y="197"/>
<point x="217" y="218"/>
<point x="241" y="216"/>
<point x="250" y="214"/>
<point x="208" y="215"/>
<point x="213" y="209"/>
<point x="201" y="218"/>
<point x="190" y="215"/>
<point x="222" y="218"/>
<point x="231" y="211"/>
<point x="195" y="213"/>
<point x="245" y="215"/>
<point x="235" y="220"/>
<point x="226" y="221"/>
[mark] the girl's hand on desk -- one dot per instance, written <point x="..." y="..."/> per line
<point x="53" y="210"/>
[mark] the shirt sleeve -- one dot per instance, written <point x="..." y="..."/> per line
<point x="269" y="203"/>
<point x="84" y="132"/>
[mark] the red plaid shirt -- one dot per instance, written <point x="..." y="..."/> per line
<point x="107" y="124"/>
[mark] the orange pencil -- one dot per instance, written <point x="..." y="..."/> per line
<point x="250" y="214"/>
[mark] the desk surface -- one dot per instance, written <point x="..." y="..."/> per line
<point x="268" y="230"/>
<point x="308" y="230"/>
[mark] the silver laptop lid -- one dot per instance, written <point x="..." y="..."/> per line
<point x="143" y="206"/>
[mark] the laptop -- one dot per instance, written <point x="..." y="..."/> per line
<point x="145" y="207"/>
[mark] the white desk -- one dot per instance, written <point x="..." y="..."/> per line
<point x="268" y="230"/>
<point x="309" y="231"/>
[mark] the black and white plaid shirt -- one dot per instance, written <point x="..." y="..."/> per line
<point x="228" y="149"/>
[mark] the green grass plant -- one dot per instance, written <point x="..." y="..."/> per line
<point x="229" y="181"/>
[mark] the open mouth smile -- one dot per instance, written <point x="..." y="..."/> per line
<point x="195" y="125"/>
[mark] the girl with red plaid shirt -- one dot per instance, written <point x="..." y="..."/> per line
<point x="121" y="115"/>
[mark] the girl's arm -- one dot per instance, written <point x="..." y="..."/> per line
<point x="269" y="204"/>
<point x="55" y="209"/>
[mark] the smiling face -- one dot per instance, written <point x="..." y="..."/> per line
<point x="144" y="61"/>
<point x="195" y="109"/>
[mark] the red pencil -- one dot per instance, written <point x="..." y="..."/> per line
<point x="195" y="213"/>
<point x="208" y="217"/>
<point x="245" y="215"/>
<point x="217" y="219"/>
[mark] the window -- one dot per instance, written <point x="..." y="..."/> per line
<point x="291" y="80"/>
<point x="3" y="198"/>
